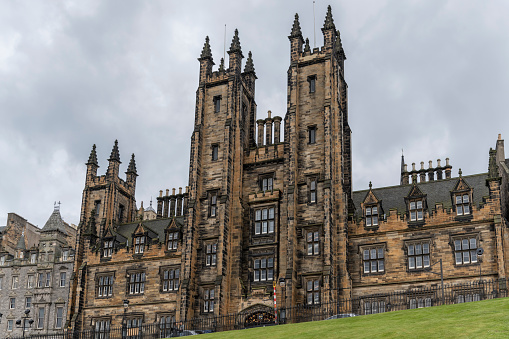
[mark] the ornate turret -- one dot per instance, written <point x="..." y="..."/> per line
<point x="296" y="40"/>
<point x="206" y="61"/>
<point x="249" y="64"/>
<point x="114" y="161"/>
<point x="329" y="29"/>
<point x="131" y="173"/>
<point x="92" y="164"/>
<point x="235" y="52"/>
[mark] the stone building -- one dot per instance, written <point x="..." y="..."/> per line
<point x="270" y="206"/>
<point x="35" y="276"/>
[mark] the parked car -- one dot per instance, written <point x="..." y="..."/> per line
<point x="185" y="333"/>
<point x="342" y="315"/>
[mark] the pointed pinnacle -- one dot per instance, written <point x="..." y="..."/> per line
<point x="221" y="65"/>
<point x="132" y="166"/>
<point x="296" y="28"/>
<point x="206" y="53"/>
<point x="249" y="64"/>
<point x="114" y="153"/>
<point x="329" y="21"/>
<point x="92" y="159"/>
<point x="235" y="46"/>
<point x="307" y="48"/>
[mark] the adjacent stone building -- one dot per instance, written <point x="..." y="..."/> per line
<point x="270" y="206"/>
<point x="35" y="276"/>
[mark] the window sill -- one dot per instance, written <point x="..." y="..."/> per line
<point x="371" y="228"/>
<point x="374" y="273"/>
<point x="463" y="218"/>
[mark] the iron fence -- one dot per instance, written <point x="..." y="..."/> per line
<point x="266" y="316"/>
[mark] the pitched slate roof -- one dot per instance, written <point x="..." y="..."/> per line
<point x="54" y="223"/>
<point x="438" y="191"/>
<point x="155" y="227"/>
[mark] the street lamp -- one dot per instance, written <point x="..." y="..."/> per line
<point x="23" y="326"/>
<point x="441" y="274"/>
<point x="124" y="329"/>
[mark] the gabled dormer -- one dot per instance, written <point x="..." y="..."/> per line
<point x="142" y="236"/>
<point x="461" y="196"/>
<point x="173" y="234"/>
<point x="416" y="205"/>
<point x="109" y="243"/>
<point x="371" y="209"/>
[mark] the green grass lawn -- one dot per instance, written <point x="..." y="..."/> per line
<point x="481" y="319"/>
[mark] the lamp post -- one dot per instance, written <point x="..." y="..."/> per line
<point x="441" y="274"/>
<point x="22" y="324"/>
<point x="282" y="283"/>
<point x="124" y="325"/>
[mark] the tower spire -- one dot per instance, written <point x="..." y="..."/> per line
<point x="92" y="159"/>
<point x="296" y="32"/>
<point x="206" y="53"/>
<point x="115" y="155"/>
<point x="131" y="169"/>
<point x="235" y="45"/>
<point x="329" y="21"/>
<point x="249" y="64"/>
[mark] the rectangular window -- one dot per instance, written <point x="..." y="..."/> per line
<point x="215" y="150"/>
<point x="313" y="242"/>
<point x="312" y="191"/>
<point x="41" y="281"/>
<point x="28" y="302"/>
<point x="170" y="279"/>
<point x="102" y="329"/>
<point x="208" y="300"/>
<point x="1" y="282"/>
<point x="312" y="134"/>
<point x="65" y="255"/>
<point x="139" y="245"/>
<point x="263" y="269"/>
<point x="462" y="204"/>
<point x="312" y="83"/>
<point x="416" y="210"/>
<point x="418" y="256"/>
<point x="60" y="317"/>
<point x="211" y="256"/>
<point x="372" y="216"/>
<point x="10" y="323"/>
<point x="166" y="325"/>
<point x="173" y="241"/>
<point x="373" y="260"/>
<point x="30" y="281"/>
<point x="2" y="260"/>
<point x="137" y="283"/>
<point x="48" y="279"/>
<point x="15" y="281"/>
<point x="374" y="307"/>
<point x="33" y="258"/>
<point x="264" y="221"/>
<point x="313" y="292"/>
<point x="465" y="250"/>
<point x="63" y="276"/>
<point x="266" y="182"/>
<point x="40" y="317"/>
<point x="97" y="206"/>
<point x="12" y="303"/>
<point x="213" y="204"/>
<point x="108" y="248"/>
<point x="217" y="104"/>
<point x="105" y="285"/>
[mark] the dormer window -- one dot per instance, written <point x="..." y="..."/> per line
<point x="173" y="238"/>
<point x="416" y="210"/>
<point x="462" y="204"/>
<point x="139" y="244"/>
<point x="372" y="216"/>
<point x="108" y="248"/>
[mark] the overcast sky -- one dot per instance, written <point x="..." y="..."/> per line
<point x="428" y="76"/>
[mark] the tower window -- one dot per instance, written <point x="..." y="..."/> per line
<point x="215" y="150"/>
<point x="312" y="134"/>
<point x="313" y="242"/>
<point x="312" y="83"/>
<point x="312" y="191"/>
<point x="213" y="204"/>
<point x="264" y="221"/>
<point x="211" y="254"/>
<point x="266" y="182"/>
<point x="97" y="206"/>
<point x="208" y="300"/>
<point x="217" y="103"/>
<point x="263" y="269"/>
<point x="313" y="292"/>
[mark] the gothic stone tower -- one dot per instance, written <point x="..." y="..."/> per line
<point x="107" y="201"/>
<point x="264" y="211"/>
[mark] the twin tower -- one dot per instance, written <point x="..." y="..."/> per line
<point x="257" y="210"/>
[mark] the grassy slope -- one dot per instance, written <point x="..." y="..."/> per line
<point x="489" y="318"/>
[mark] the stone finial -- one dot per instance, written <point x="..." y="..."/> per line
<point x="132" y="166"/>
<point x="221" y="65"/>
<point x="235" y="45"/>
<point x="370" y="185"/>
<point x="329" y="21"/>
<point x="307" y="48"/>
<point x="115" y="155"/>
<point x="206" y="53"/>
<point x="249" y="64"/>
<point x="296" y="32"/>
<point x="460" y="172"/>
<point x="92" y="159"/>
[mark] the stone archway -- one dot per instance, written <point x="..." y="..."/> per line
<point x="258" y="315"/>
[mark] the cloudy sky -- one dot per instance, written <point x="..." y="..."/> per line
<point x="427" y="76"/>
